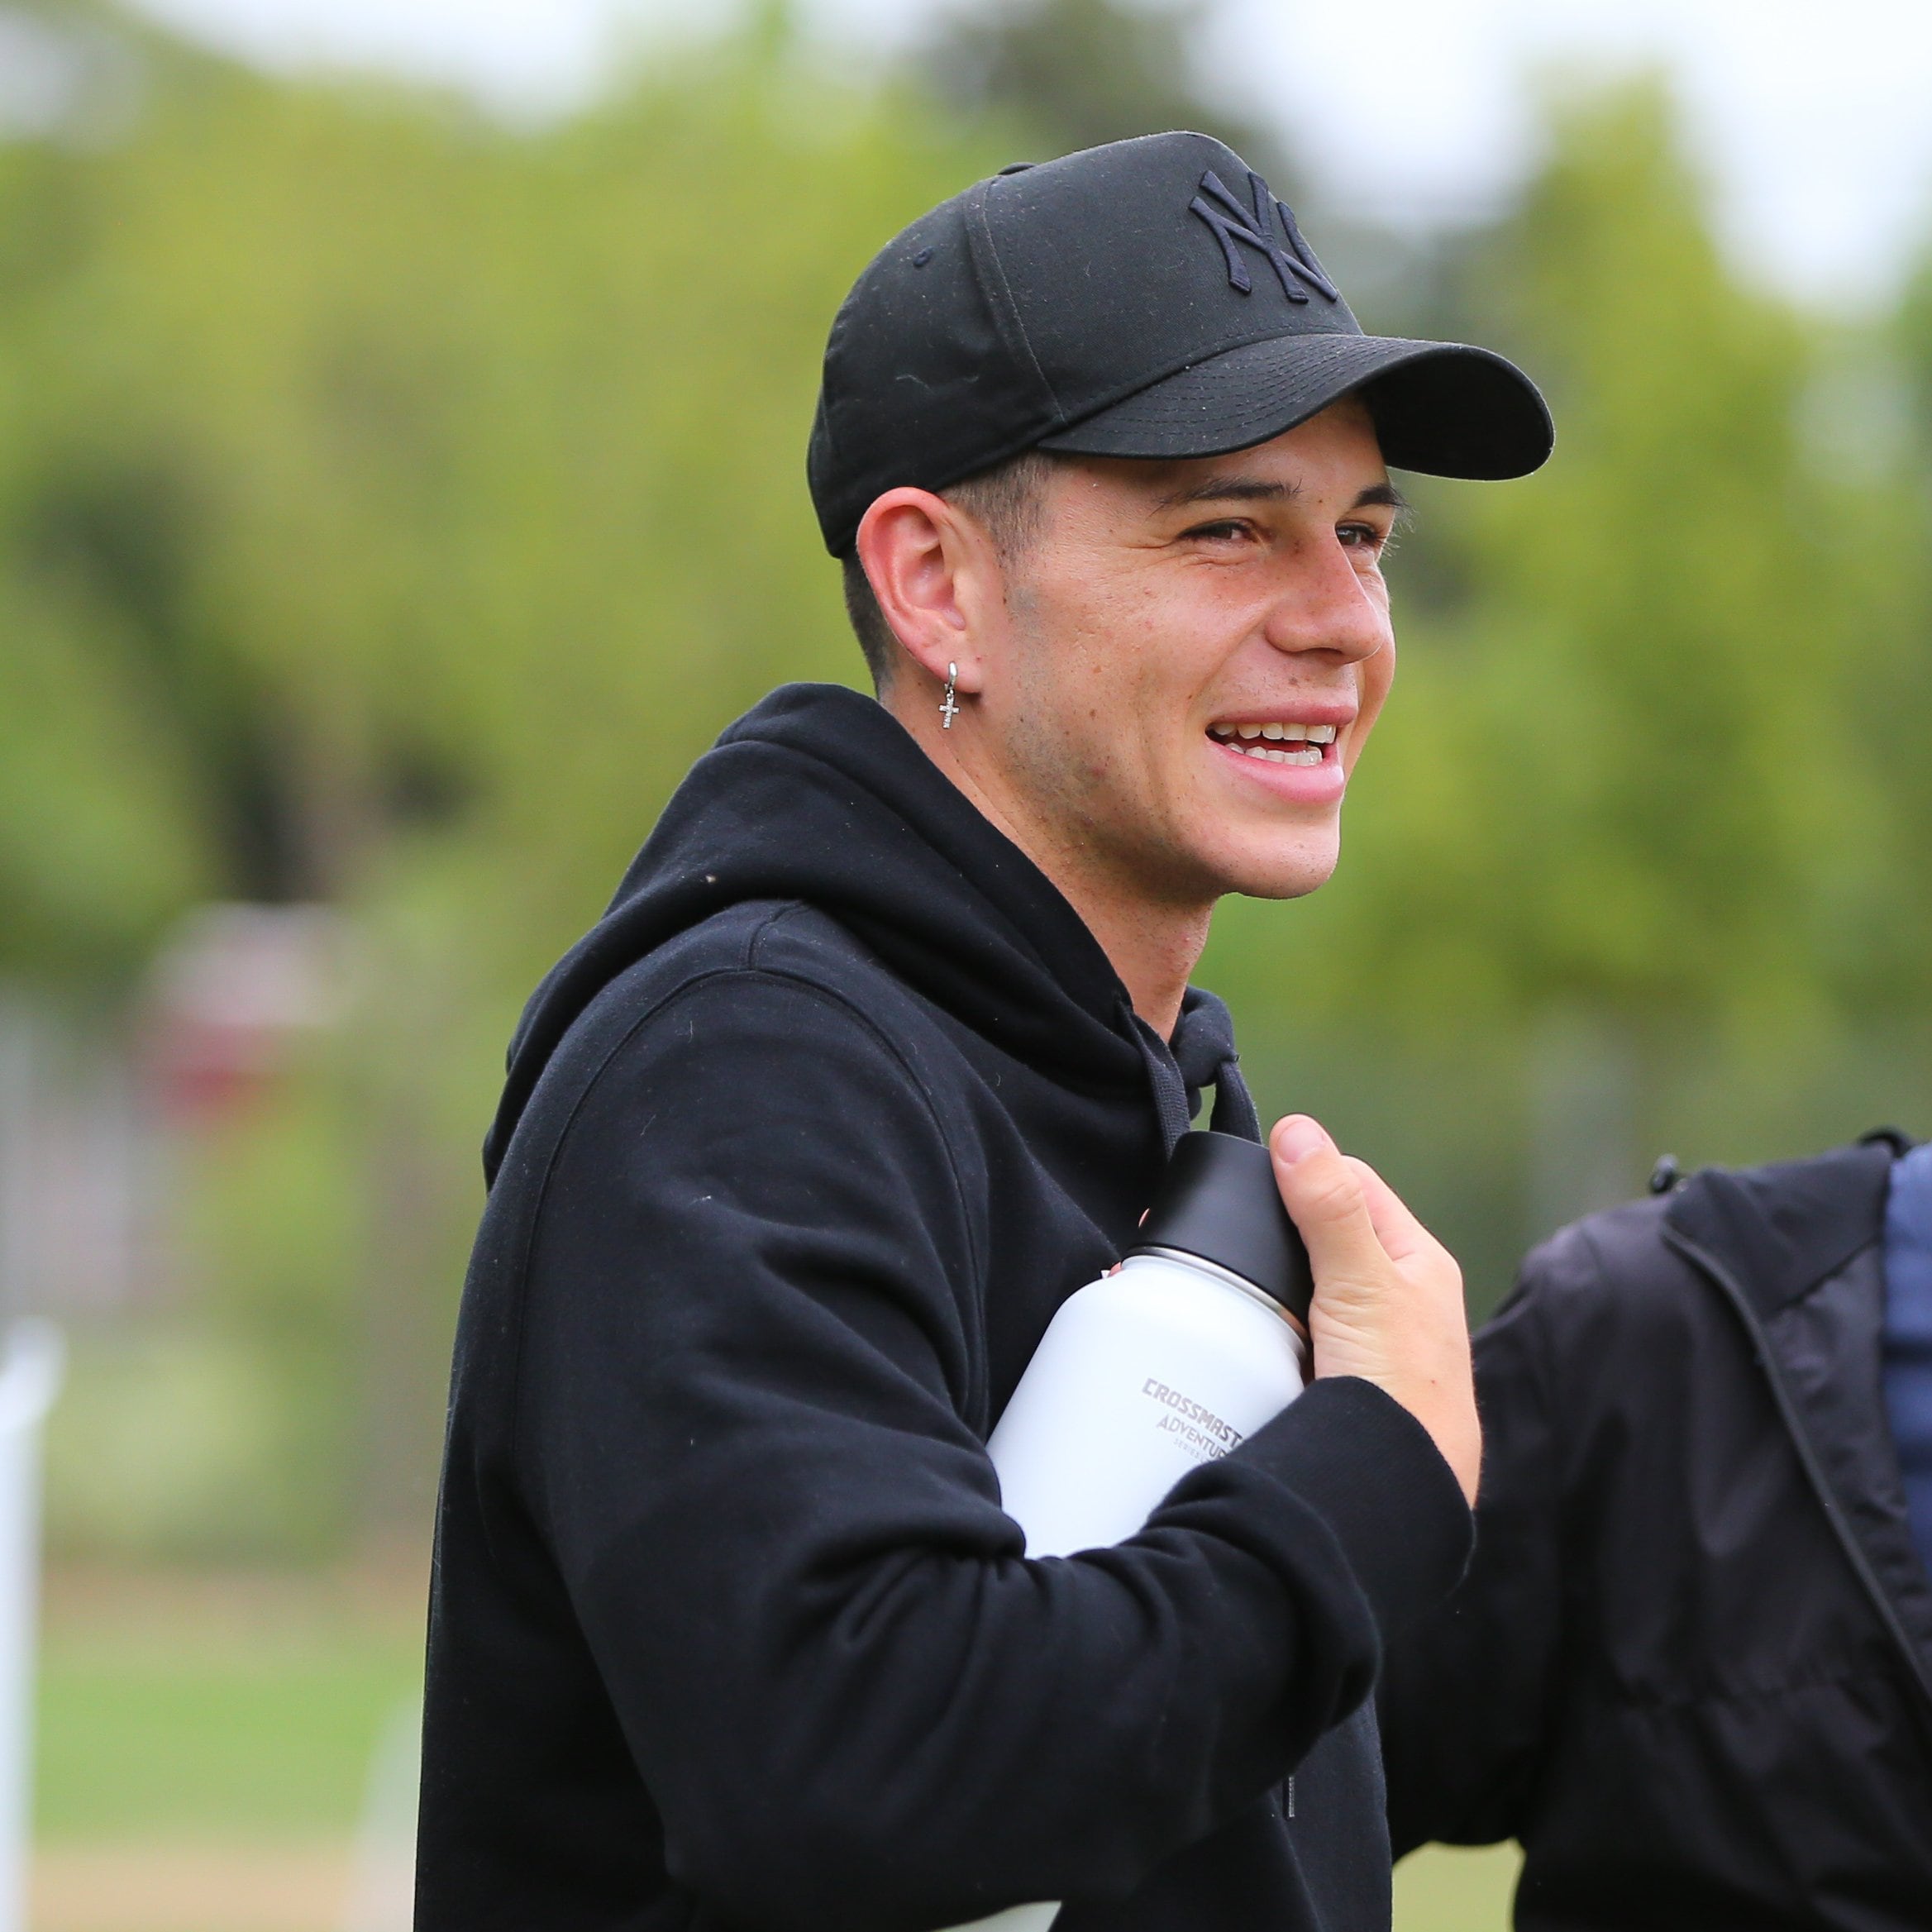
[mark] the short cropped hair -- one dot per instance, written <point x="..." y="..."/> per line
<point x="1006" y="502"/>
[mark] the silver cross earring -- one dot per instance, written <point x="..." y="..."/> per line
<point x="949" y="704"/>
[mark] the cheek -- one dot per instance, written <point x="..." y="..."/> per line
<point x="1377" y="674"/>
<point x="1088" y="659"/>
<point x="1066" y="702"/>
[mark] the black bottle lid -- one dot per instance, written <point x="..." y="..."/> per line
<point x="1220" y="1201"/>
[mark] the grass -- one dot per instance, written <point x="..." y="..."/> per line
<point x="215" y="1708"/>
<point x="1444" y="1888"/>
<point x="229" y="1712"/>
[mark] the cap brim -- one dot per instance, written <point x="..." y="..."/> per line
<point x="1441" y="407"/>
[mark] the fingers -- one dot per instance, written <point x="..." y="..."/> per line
<point x="1400" y="1233"/>
<point x="1324" y="1195"/>
<point x="1388" y="1301"/>
<point x="1405" y="1240"/>
<point x="1396" y="1230"/>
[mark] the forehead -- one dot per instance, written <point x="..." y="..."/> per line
<point x="1336" y="451"/>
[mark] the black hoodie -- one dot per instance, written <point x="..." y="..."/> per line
<point x="800" y="1149"/>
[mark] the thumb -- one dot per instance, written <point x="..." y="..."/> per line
<point x="1325" y="1198"/>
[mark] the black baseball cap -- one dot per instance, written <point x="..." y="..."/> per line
<point x="1150" y="298"/>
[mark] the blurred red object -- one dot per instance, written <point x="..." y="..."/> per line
<point x="234" y="994"/>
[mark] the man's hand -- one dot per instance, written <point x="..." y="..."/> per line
<point x="1388" y="1295"/>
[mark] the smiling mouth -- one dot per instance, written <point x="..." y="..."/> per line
<point x="1282" y="742"/>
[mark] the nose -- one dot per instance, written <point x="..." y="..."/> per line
<point x="1325" y="604"/>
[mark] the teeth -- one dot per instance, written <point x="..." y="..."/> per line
<point x="1259" y="741"/>
<point x="1309" y="754"/>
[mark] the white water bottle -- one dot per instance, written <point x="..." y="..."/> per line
<point x="1191" y="1345"/>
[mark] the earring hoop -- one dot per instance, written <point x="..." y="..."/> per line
<point x="949" y="704"/>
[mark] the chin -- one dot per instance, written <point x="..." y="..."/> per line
<point x="1278" y="874"/>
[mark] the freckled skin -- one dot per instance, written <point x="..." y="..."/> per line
<point x="1173" y="630"/>
<point x="1092" y="665"/>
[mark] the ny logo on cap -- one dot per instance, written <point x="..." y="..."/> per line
<point x="1231" y="222"/>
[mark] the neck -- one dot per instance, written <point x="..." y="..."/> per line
<point x="1153" y="945"/>
<point x="1154" y="950"/>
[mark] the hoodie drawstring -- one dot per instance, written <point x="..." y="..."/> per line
<point x="1202" y="1054"/>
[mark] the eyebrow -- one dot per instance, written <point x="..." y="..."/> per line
<point x="1384" y="493"/>
<point x="1255" y="489"/>
<point x="1231" y="489"/>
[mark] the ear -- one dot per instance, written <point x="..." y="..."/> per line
<point x="936" y="578"/>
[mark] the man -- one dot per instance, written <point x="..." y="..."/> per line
<point x="877" y="1057"/>
<point x="1691" y="1669"/>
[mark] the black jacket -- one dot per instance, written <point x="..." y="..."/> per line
<point x="1690" y="1667"/>
<point x="800" y="1150"/>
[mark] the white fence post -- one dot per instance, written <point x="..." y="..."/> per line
<point x="30" y="1378"/>
<point x="382" y="1880"/>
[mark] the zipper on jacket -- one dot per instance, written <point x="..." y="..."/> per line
<point x="1787" y="1409"/>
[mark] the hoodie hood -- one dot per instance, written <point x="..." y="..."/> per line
<point x="820" y="795"/>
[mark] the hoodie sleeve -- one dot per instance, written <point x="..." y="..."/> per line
<point x="1465" y="1693"/>
<point x="747" y="1348"/>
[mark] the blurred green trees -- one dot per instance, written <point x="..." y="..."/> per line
<point x="1639" y="857"/>
<point x="1633" y="765"/>
<point x="392" y="505"/>
<point x="390" y="508"/>
<point x="1073" y="74"/>
<point x="370" y="468"/>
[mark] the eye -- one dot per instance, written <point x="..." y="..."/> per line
<point x="1368" y="537"/>
<point x="1225" y="530"/>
